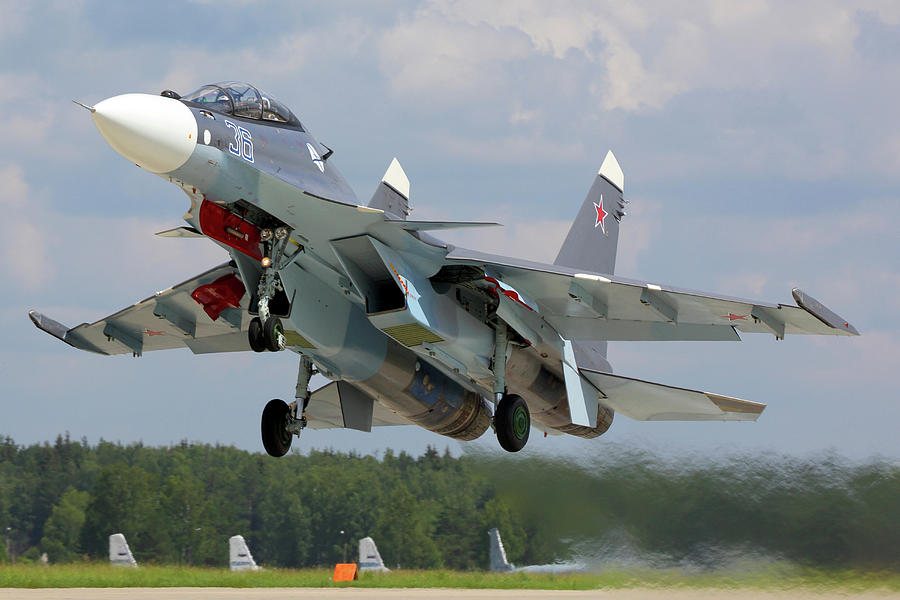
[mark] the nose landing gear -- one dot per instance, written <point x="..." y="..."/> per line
<point x="266" y="331"/>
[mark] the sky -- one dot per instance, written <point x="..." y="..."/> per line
<point x="759" y="140"/>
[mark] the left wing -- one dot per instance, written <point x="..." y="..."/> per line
<point x="207" y="313"/>
<point x="590" y="306"/>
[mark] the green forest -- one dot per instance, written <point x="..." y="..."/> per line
<point x="180" y="504"/>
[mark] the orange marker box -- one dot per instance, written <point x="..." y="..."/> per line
<point x="346" y="572"/>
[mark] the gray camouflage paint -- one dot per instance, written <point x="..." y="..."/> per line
<point x="371" y="312"/>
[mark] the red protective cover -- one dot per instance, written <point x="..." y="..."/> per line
<point x="224" y="292"/>
<point x="216" y="221"/>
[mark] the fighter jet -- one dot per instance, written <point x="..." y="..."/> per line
<point x="239" y="557"/>
<point x="119" y="552"/>
<point x="370" y="557"/>
<point x="500" y="564"/>
<point x="408" y="328"/>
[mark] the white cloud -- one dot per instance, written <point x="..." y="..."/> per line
<point x="636" y="235"/>
<point x="887" y="10"/>
<point x="24" y="246"/>
<point x="745" y="284"/>
<point x="458" y="54"/>
<point x="15" y="18"/>
<point x="723" y="14"/>
<point x="870" y="360"/>
<point x="87" y="246"/>
<point x="448" y="62"/>
<point x="512" y="149"/>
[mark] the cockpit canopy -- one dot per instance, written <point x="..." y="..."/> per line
<point x="241" y="100"/>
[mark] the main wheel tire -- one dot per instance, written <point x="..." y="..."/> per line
<point x="255" y="334"/>
<point x="271" y="329"/>
<point x="275" y="437"/>
<point x="512" y="422"/>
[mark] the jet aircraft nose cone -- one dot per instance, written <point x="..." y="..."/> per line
<point x="157" y="133"/>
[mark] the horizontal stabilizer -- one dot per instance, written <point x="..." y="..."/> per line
<point x="647" y="401"/>
<point x="436" y="225"/>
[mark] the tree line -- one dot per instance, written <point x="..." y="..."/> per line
<point x="179" y="504"/>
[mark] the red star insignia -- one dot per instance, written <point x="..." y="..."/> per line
<point x="150" y="332"/>
<point x="734" y="317"/>
<point x="601" y="215"/>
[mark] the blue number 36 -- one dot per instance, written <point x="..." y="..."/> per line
<point x="243" y="142"/>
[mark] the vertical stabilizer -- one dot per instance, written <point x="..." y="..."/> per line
<point x="499" y="563"/>
<point x="239" y="556"/>
<point x="392" y="195"/>
<point x="369" y="557"/>
<point x="119" y="552"/>
<point x="594" y="236"/>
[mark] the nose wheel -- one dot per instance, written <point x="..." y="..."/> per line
<point x="255" y="334"/>
<point x="268" y="335"/>
<point x="512" y="422"/>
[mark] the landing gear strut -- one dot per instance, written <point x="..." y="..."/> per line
<point x="282" y="421"/>
<point x="266" y="331"/>
<point x="512" y="421"/>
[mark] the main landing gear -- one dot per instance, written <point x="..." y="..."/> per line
<point x="266" y="331"/>
<point x="512" y="421"/>
<point x="282" y="421"/>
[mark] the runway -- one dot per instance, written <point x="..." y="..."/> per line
<point x="430" y="594"/>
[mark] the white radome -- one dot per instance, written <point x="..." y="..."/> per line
<point x="156" y="133"/>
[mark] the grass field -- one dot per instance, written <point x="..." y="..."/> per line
<point x="102" y="575"/>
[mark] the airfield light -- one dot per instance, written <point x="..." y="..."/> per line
<point x="345" y="545"/>
<point x="266" y="262"/>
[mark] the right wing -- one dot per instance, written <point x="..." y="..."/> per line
<point x="590" y="306"/>
<point x="207" y="313"/>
